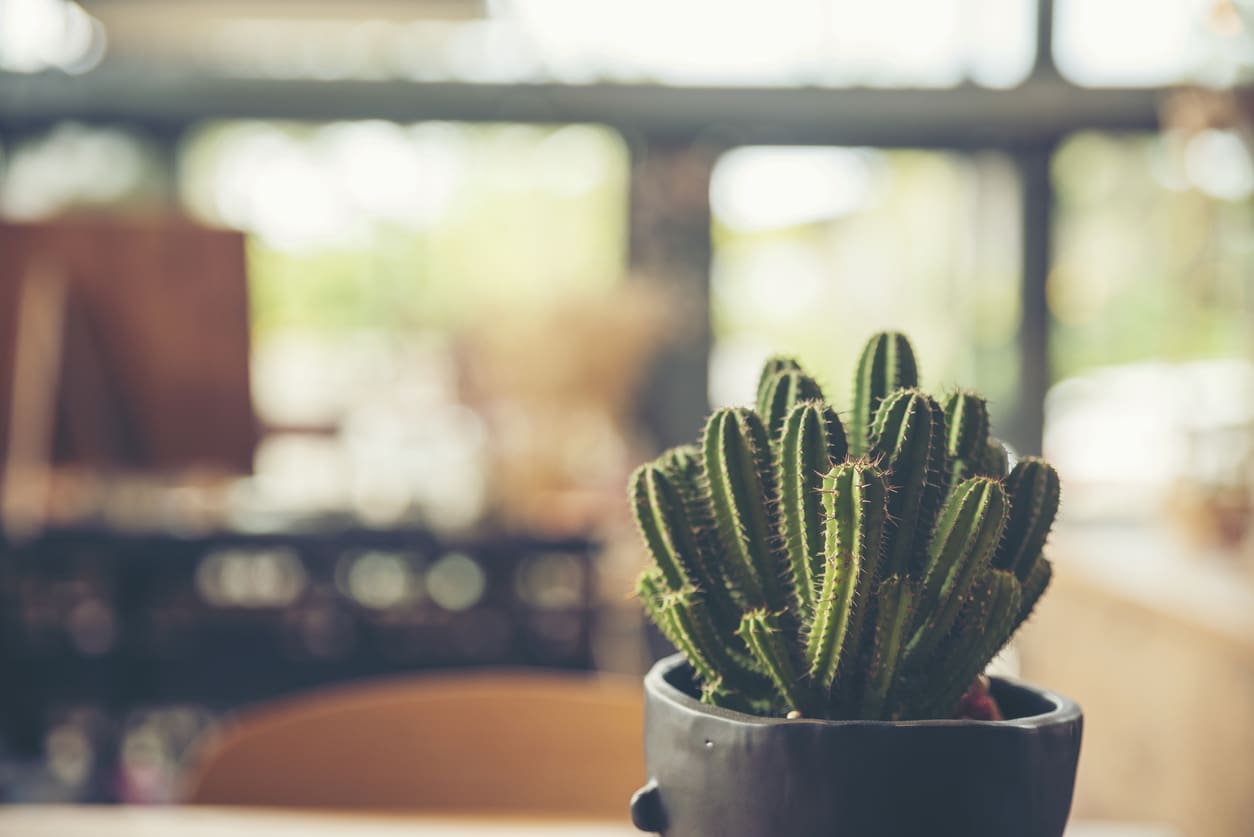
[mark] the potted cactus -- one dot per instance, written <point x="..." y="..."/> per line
<point x="836" y="589"/>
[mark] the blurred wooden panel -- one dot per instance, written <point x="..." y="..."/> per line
<point x="156" y="341"/>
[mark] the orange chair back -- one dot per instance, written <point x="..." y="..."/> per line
<point x="542" y="744"/>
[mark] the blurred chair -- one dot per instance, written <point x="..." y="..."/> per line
<point x="539" y="744"/>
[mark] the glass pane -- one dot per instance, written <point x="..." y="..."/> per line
<point x="1151" y="307"/>
<point x="929" y="43"/>
<point x="37" y="35"/>
<point x="425" y="291"/>
<point x="815" y="248"/>
<point x="899" y="42"/>
<point x="377" y="225"/>
<point x="75" y="167"/>
<point x="1153" y="250"/>
<point x="1134" y="43"/>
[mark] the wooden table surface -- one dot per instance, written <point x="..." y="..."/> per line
<point x="191" y="821"/>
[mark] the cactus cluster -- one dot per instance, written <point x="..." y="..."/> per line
<point x="871" y="573"/>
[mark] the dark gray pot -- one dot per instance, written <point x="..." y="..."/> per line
<point x="718" y="773"/>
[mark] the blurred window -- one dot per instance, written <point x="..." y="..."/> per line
<point x="788" y="42"/>
<point x="37" y="35"/>
<point x="374" y="225"/>
<point x="1143" y="43"/>
<point x="74" y="167"/>
<point x="924" y="43"/>
<point x="1153" y="252"/>
<point x="1151" y="304"/>
<point x="816" y="247"/>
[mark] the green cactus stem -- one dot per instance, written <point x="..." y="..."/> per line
<point x="683" y="465"/>
<point x="908" y="443"/>
<point x="966" y="434"/>
<point x="977" y="642"/>
<point x="894" y="614"/>
<point x="1034" y="586"/>
<point x="781" y="393"/>
<point x="812" y="440"/>
<point x="887" y="364"/>
<point x="962" y="547"/>
<point x="995" y="461"/>
<point x="662" y="519"/>
<point x="741" y="491"/>
<point x="773" y="366"/>
<point x="762" y="633"/>
<point x="1034" y="491"/>
<point x="683" y="618"/>
<point x="691" y="618"/>
<point x="855" y="506"/>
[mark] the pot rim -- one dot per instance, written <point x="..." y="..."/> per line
<point x="1065" y="710"/>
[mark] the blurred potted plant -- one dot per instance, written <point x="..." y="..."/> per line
<point x="835" y="596"/>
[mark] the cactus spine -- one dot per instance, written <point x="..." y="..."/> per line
<point x="872" y="575"/>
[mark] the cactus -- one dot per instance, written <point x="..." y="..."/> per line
<point x="1034" y="586"/>
<point x="870" y="575"/>
<point x="855" y="503"/>
<point x="1033" y="490"/>
<point x="966" y="434"/>
<point x="995" y="462"/>
<point x="780" y="393"/>
<point x="962" y="547"/>
<point x="895" y="611"/>
<point x="761" y="631"/>
<point x="908" y="439"/>
<point x="775" y="365"/>
<point x="977" y="641"/>
<point x="887" y="364"/>
<point x="741" y="488"/>
<point x="812" y="441"/>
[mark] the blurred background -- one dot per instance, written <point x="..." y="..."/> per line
<point x="330" y="332"/>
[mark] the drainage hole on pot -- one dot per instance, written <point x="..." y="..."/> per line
<point x="709" y="745"/>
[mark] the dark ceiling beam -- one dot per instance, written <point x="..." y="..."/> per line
<point x="1033" y="115"/>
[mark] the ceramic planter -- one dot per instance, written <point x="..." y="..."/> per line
<point x="718" y="773"/>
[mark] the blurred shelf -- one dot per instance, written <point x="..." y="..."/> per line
<point x="1036" y="114"/>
